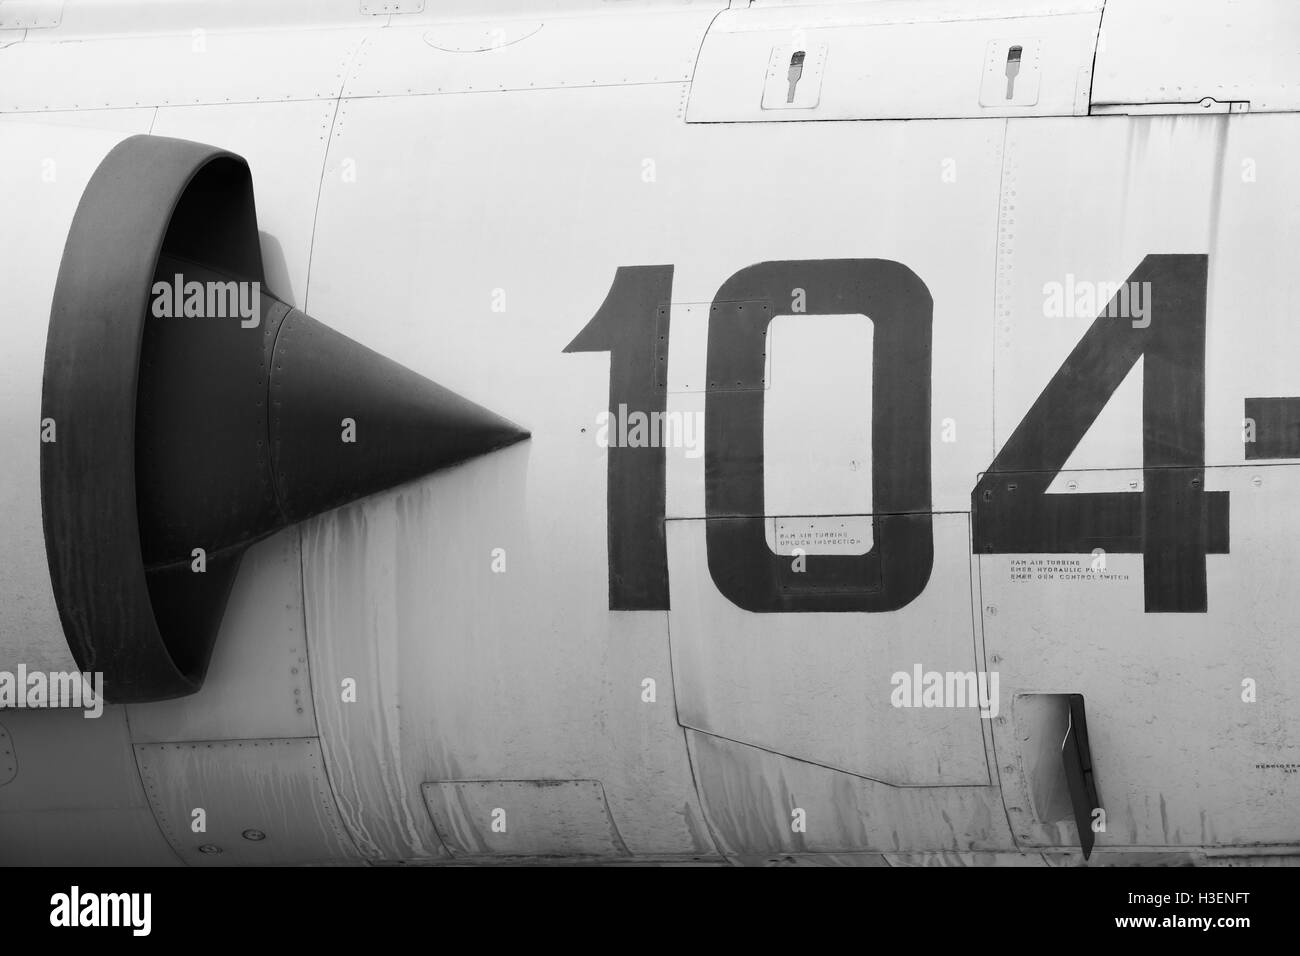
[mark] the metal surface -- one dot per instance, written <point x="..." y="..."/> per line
<point x="384" y="7"/>
<point x="168" y="70"/>
<point x="751" y="796"/>
<point x="285" y="180"/>
<point x="386" y="609"/>
<point x="1192" y="769"/>
<point x="276" y="786"/>
<point x="573" y="51"/>
<point x="1076" y="757"/>
<point x="1166" y="53"/>
<point x="77" y="798"/>
<point x="821" y="693"/>
<point x="893" y="61"/>
<point x="523" y="818"/>
<point x="460" y="188"/>
<point x="8" y="757"/>
<point x="258" y="682"/>
<point x="30" y="14"/>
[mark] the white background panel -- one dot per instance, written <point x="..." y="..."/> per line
<point x="1252" y="338"/>
<point x="1179" y="757"/>
<point x="816" y="686"/>
<point x="1150" y="187"/>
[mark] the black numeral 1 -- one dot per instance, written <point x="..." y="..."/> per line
<point x="632" y="326"/>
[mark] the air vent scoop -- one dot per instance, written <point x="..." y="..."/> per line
<point x="197" y="413"/>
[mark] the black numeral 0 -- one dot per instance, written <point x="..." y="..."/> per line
<point x="898" y="566"/>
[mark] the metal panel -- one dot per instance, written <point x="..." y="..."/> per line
<point x="286" y="178"/>
<point x="792" y="13"/>
<point x="872" y="182"/>
<point x="523" y="818"/>
<point x="204" y="68"/>
<point x="794" y="78"/>
<point x="751" y="797"/>
<point x="817" y="433"/>
<point x="821" y="689"/>
<point x="882" y="61"/>
<point x="400" y="592"/>
<point x="633" y="47"/>
<point x="81" y="838"/>
<point x="1151" y="184"/>
<point x="1180" y="757"/>
<point x="30" y="14"/>
<point x="461" y="671"/>
<point x="382" y="7"/>
<point x="123" y="120"/>
<point x="949" y="858"/>
<point x="8" y="757"/>
<point x="1252" y="338"/>
<point x="1169" y="52"/>
<point x="76" y="799"/>
<point x="1042" y="722"/>
<point x="258" y="683"/>
<point x="265" y="802"/>
<point x="84" y="19"/>
<point x="815" y="859"/>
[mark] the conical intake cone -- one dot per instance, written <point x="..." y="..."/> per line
<point x="246" y="425"/>
<point x="347" y="422"/>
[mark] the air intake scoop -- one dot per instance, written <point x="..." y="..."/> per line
<point x="196" y="414"/>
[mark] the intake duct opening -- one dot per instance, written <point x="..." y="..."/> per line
<point x="197" y="414"/>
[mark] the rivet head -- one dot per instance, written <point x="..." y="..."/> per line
<point x="210" y="848"/>
<point x="255" y="836"/>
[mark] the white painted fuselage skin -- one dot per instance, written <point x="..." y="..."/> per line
<point x="435" y="673"/>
